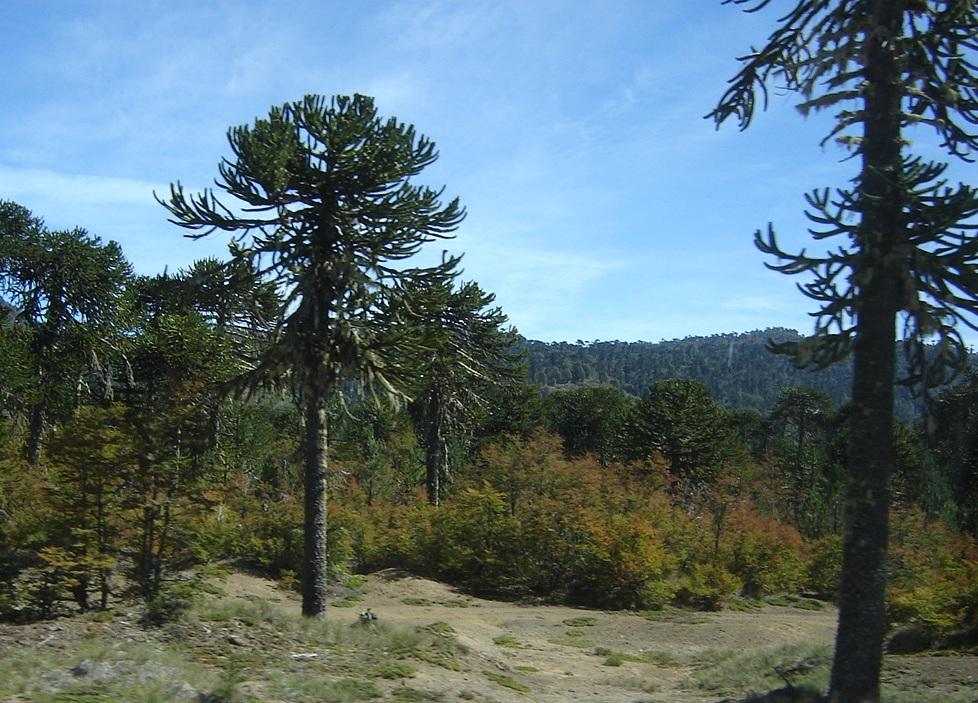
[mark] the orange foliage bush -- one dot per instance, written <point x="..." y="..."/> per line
<point x="933" y="573"/>
<point x="768" y="556"/>
<point x="527" y="520"/>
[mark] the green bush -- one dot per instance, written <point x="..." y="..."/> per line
<point x="825" y="567"/>
<point x="706" y="586"/>
<point x="933" y="574"/>
<point x="766" y="555"/>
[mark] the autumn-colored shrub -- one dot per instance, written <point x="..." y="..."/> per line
<point x="766" y="555"/>
<point x="933" y="573"/>
<point x="25" y="521"/>
<point x="626" y="564"/>
<point x="565" y="529"/>
<point x="471" y="539"/>
<point x="706" y="586"/>
<point x="549" y="546"/>
<point x="386" y="535"/>
<point x="825" y="567"/>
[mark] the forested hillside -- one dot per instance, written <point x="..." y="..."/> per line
<point x="738" y="368"/>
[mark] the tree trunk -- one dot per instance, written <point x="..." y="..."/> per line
<point x="102" y="534"/>
<point x="859" y="640"/>
<point x="35" y="433"/>
<point x="314" y="556"/>
<point x="435" y="458"/>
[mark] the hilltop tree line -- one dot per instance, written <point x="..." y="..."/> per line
<point x="738" y="368"/>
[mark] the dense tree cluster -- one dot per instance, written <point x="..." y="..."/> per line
<point x="738" y="368"/>
<point x="584" y="494"/>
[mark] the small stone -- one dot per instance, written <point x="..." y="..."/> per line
<point x="182" y="692"/>
<point x="236" y="641"/>
<point x="82" y="668"/>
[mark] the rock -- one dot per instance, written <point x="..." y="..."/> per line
<point x="236" y="641"/>
<point x="302" y="656"/>
<point x="94" y="670"/>
<point x="82" y="668"/>
<point x="182" y="691"/>
<point x="960" y="639"/>
<point x="910" y="639"/>
<point x="154" y="671"/>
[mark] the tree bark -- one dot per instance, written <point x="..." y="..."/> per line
<point x="435" y="457"/>
<point x="314" y="566"/>
<point x="859" y="640"/>
<point x="35" y="433"/>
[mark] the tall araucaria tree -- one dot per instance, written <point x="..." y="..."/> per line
<point x="65" y="290"/>
<point x="324" y="205"/>
<point x="466" y="350"/>
<point x="907" y="249"/>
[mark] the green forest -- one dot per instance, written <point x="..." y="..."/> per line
<point x="738" y="368"/>
<point x="131" y="454"/>
<point x="325" y="403"/>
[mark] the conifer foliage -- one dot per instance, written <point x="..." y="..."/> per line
<point x="906" y="246"/>
<point x="322" y="203"/>
<point x="65" y="291"/>
<point x="466" y="351"/>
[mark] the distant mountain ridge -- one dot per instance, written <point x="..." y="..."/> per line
<point x="737" y="367"/>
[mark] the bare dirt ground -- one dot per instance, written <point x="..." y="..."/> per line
<point x="551" y="648"/>
<point x="506" y="652"/>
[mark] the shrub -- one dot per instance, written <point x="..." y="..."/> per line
<point x="626" y="562"/>
<point x="766" y="555"/>
<point x="707" y="586"/>
<point x="470" y="539"/>
<point x="825" y="567"/>
<point x="933" y="573"/>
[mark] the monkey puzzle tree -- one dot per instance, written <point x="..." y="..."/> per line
<point x="679" y="419"/>
<point x="324" y="206"/>
<point x="801" y="417"/>
<point x="590" y="419"/>
<point x="66" y="291"/>
<point x="465" y="351"/>
<point x="908" y="248"/>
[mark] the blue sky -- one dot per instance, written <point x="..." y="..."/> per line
<point x="600" y="204"/>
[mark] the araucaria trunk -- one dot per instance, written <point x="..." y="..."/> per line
<point x="314" y="567"/>
<point x="435" y="458"/>
<point x="35" y="432"/>
<point x="859" y="641"/>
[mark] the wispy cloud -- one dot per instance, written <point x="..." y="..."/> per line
<point x="601" y="204"/>
<point x="75" y="189"/>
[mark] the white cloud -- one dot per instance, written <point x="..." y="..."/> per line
<point x="75" y="189"/>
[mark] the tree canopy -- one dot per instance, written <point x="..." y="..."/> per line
<point x="65" y="292"/>
<point x="325" y="207"/>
